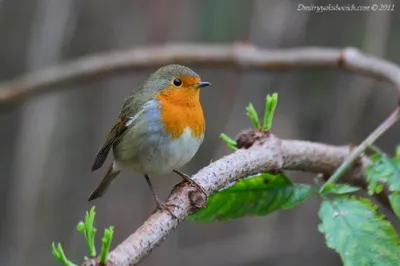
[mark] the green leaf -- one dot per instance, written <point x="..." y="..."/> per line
<point x="106" y="244"/>
<point x="255" y="196"/>
<point x="339" y="189"/>
<point x="360" y="235"/>
<point x="230" y="142"/>
<point x="58" y="253"/>
<point x="384" y="170"/>
<point x="394" y="199"/>
<point x="270" y="105"/>
<point x="253" y="116"/>
<point x="89" y="231"/>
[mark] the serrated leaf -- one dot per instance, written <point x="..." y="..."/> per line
<point x="384" y="170"/>
<point x="394" y="199"/>
<point x="361" y="236"/>
<point x="255" y="196"/>
<point x="339" y="189"/>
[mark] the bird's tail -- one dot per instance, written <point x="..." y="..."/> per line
<point x="108" y="178"/>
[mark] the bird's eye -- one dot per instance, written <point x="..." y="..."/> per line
<point x="177" y="82"/>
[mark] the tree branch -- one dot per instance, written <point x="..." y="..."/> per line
<point x="238" y="55"/>
<point x="265" y="155"/>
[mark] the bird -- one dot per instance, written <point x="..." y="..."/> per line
<point x="159" y="129"/>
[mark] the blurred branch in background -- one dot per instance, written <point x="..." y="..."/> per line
<point x="239" y="55"/>
<point x="361" y="90"/>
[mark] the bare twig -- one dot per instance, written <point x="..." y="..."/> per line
<point x="382" y="128"/>
<point x="269" y="154"/>
<point x="239" y="55"/>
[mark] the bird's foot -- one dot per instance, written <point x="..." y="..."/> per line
<point x="166" y="207"/>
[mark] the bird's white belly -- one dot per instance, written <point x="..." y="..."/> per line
<point x="161" y="155"/>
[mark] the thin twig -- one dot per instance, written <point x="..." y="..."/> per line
<point x="237" y="55"/>
<point x="382" y="128"/>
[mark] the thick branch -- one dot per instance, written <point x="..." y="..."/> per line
<point x="239" y="56"/>
<point x="270" y="154"/>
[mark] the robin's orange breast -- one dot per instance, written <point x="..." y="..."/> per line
<point x="180" y="108"/>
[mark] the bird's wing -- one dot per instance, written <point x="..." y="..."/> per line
<point x="117" y="130"/>
<point x="132" y="108"/>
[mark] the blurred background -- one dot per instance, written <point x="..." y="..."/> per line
<point x="48" y="142"/>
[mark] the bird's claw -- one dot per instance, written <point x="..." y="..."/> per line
<point x="166" y="207"/>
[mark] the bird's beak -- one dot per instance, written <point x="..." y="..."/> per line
<point x="202" y="84"/>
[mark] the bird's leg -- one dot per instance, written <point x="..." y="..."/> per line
<point x="156" y="198"/>
<point x="187" y="178"/>
<point x="160" y="205"/>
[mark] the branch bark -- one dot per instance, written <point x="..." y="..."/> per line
<point x="268" y="154"/>
<point x="237" y="55"/>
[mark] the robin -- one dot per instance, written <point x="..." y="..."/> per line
<point x="159" y="129"/>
